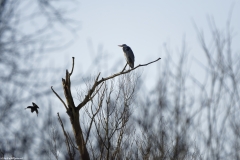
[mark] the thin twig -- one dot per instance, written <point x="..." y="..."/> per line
<point x="90" y="92"/>
<point x="71" y="142"/>
<point x="93" y="117"/>
<point x="96" y="91"/>
<point x="68" y="139"/>
<point x="89" y="129"/>
<point x="72" y="66"/>
<point x="59" y="98"/>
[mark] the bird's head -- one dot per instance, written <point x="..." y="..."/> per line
<point x="124" y="45"/>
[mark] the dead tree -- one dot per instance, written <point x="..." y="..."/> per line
<point x="73" y="110"/>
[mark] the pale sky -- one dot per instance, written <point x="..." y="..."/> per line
<point x="146" y="26"/>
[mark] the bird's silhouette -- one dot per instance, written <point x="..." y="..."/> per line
<point x="33" y="108"/>
<point x="128" y="53"/>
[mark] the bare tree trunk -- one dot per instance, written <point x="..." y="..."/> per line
<point x="73" y="113"/>
<point x="79" y="136"/>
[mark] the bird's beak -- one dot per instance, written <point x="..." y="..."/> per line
<point x="120" y="45"/>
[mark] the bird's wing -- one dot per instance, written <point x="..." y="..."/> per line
<point x="129" y="52"/>
<point x="35" y="105"/>
<point x="126" y="49"/>
<point x="37" y="112"/>
<point x="28" y="107"/>
<point x="129" y="55"/>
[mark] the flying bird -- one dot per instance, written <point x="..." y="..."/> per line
<point x="33" y="108"/>
<point x="128" y="53"/>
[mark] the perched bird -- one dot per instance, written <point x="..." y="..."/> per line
<point x="33" y="108"/>
<point x="128" y="53"/>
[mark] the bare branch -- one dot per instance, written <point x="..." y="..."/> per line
<point x="96" y="91"/>
<point x="92" y="119"/>
<point x="90" y="92"/>
<point x="72" y="66"/>
<point x="120" y="73"/>
<point x="96" y="83"/>
<point x="71" y="142"/>
<point x="59" y="98"/>
<point x="68" y="139"/>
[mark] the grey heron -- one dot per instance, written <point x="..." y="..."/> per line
<point x="33" y="108"/>
<point x="128" y="53"/>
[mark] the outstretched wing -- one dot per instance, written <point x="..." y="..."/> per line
<point x="28" y="107"/>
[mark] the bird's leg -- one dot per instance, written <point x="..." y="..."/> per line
<point x="124" y="67"/>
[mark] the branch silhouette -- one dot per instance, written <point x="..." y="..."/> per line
<point x="96" y="83"/>
<point x="59" y="97"/>
<point x="73" y="111"/>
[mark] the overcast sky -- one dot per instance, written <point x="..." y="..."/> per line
<point x="146" y="26"/>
